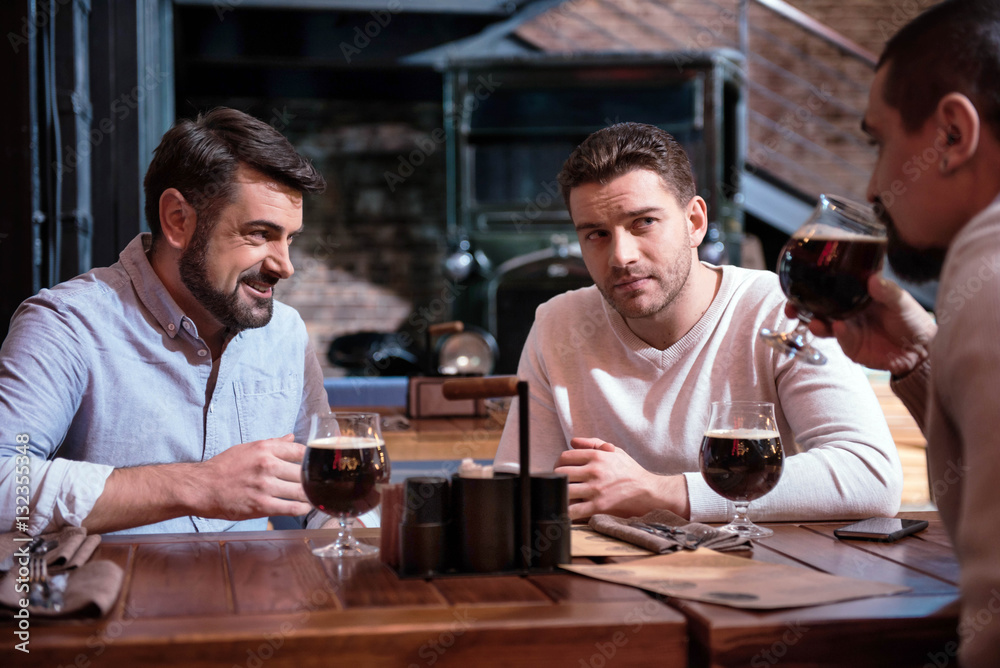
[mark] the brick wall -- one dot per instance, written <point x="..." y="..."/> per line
<point x="370" y="258"/>
<point x="827" y="151"/>
<point x="371" y="251"/>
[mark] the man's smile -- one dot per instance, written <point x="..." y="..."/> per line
<point x="259" y="287"/>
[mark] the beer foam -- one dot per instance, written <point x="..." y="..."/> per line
<point x="344" y="443"/>
<point x="748" y="434"/>
<point x="821" y="231"/>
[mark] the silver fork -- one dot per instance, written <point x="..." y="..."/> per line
<point x="682" y="538"/>
<point x="40" y="591"/>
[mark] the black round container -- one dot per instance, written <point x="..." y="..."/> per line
<point x="550" y="525"/>
<point x="485" y="512"/>
<point x="424" y="527"/>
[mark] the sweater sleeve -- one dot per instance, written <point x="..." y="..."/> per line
<point x="840" y="459"/>
<point x="546" y="432"/>
<point x="843" y="462"/>
<point x="912" y="391"/>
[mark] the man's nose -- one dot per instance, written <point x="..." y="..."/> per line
<point x="624" y="249"/>
<point x="279" y="261"/>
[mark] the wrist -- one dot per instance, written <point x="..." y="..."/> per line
<point x="187" y="489"/>
<point x="670" y="492"/>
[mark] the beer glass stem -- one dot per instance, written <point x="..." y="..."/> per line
<point x="741" y="516"/>
<point x="795" y="342"/>
<point x="345" y="539"/>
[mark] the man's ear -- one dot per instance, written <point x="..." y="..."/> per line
<point x="697" y="220"/>
<point x="178" y="218"/>
<point x="959" y="125"/>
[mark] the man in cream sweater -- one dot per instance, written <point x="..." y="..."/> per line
<point x="622" y="374"/>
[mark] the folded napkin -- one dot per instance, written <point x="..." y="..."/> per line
<point x="72" y="548"/>
<point x="662" y="531"/>
<point x="88" y="589"/>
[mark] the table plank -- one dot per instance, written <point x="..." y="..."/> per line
<point x="363" y="583"/>
<point x="869" y="633"/>
<point x="179" y="579"/>
<point x="936" y="532"/>
<point x="484" y="636"/>
<point x="487" y="589"/>
<point x="277" y="575"/>
<point x="844" y="558"/>
<point x="563" y="586"/>
<point x="922" y="555"/>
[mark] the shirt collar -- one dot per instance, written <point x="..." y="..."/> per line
<point x="149" y="288"/>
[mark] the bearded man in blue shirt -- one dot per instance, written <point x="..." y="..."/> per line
<point x="169" y="392"/>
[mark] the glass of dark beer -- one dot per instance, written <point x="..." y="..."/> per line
<point x="824" y="270"/>
<point x="342" y="472"/>
<point x="741" y="458"/>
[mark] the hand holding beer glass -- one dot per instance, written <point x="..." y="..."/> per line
<point x="344" y="465"/>
<point x="742" y="458"/>
<point x="824" y="269"/>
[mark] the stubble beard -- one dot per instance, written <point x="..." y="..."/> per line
<point x="670" y="288"/>
<point x="917" y="265"/>
<point x="228" y="308"/>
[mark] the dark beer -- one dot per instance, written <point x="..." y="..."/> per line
<point x="828" y="276"/>
<point x="340" y="474"/>
<point x="741" y="464"/>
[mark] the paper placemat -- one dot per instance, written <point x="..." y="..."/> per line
<point x="713" y="577"/>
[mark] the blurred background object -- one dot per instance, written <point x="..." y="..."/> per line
<point x="440" y="126"/>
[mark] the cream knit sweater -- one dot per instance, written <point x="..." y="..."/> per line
<point x="590" y="376"/>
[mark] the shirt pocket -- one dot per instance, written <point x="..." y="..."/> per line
<point x="267" y="408"/>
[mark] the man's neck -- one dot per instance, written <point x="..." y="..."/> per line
<point x="669" y="326"/>
<point x="210" y="330"/>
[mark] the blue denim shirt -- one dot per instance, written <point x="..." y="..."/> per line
<point x="105" y="371"/>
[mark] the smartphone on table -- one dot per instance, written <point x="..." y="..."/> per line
<point x="882" y="529"/>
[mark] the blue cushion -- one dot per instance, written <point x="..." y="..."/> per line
<point x="365" y="391"/>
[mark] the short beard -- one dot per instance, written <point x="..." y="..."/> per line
<point x="917" y="265"/>
<point x="682" y="267"/>
<point x="228" y="309"/>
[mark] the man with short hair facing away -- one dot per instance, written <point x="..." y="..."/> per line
<point x="934" y="114"/>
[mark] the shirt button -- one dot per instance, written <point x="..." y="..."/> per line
<point x="202" y="352"/>
<point x="187" y="325"/>
<point x="171" y="327"/>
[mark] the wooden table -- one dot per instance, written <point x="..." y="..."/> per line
<point x="263" y="599"/>
<point x="911" y="629"/>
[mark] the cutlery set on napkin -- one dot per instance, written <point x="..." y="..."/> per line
<point x="52" y="575"/>
<point x="662" y="531"/>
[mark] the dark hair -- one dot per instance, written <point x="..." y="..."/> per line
<point x="200" y="157"/>
<point x="951" y="47"/>
<point x="625" y="147"/>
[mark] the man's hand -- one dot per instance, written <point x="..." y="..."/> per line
<point x="893" y="333"/>
<point x="603" y="478"/>
<point x="246" y="481"/>
<point x="255" y="479"/>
